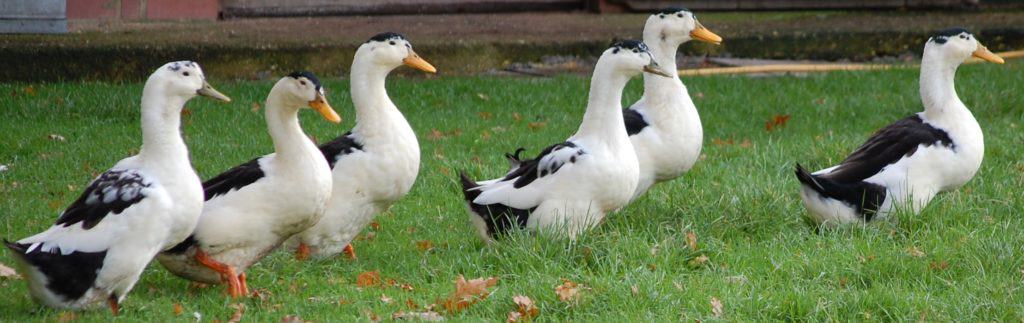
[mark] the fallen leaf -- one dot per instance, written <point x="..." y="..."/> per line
<point x="485" y="115"/>
<point x="699" y="261"/>
<point x="428" y="316"/>
<point x="516" y="116"/>
<point x="940" y="265"/>
<point x="30" y="90"/>
<point x="634" y="289"/>
<point x="411" y="305"/>
<point x="67" y="316"/>
<point x="8" y="272"/>
<point x="367" y="279"/>
<point x="568" y="291"/>
<point x="239" y="310"/>
<point x="292" y="319"/>
<point x="186" y="112"/>
<point x="424" y="245"/>
<point x="435" y="134"/>
<point x="485" y="135"/>
<point x="375" y="225"/>
<point x="483" y="96"/>
<point x="716" y="307"/>
<point x="255" y="106"/>
<point x="56" y="137"/>
<point x="691" y="240"/>
<point x="699" y="95"/>
<point x="536" y="125"/>
<point x="385" y="299"/>
<point x="913" y="251"/>
<point x="468" y="292"/>
<point x="178" y="309"/>
<point x="525" y="309"/>
<point x="678" y="285"/>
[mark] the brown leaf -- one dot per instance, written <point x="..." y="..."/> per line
<point x="939" y="265"/>
<point x="435" y="134"/>
<point x="367" y="279"/>
<point x="385" y="299"/>
<point x="691" y="240"/>
<point x="178" y="309"/>
<point x="485" y="135"/>
<point x="56" y="137"/>
<point x="568" y="291"/>
<point x="536" y="125"/>
<point x="30" y="90"/>
<point x="525" y="309"/>
<point x="411" y="305"/>
<point x="468" y="293"/>
<point x="67" y="316"/>
<point x="634" y="290"/>
<point x="516" y="116"/>
<point x="8" y="272"/>
<point x="486" y="115"/>
<point x="699" y="261"/>
<point x="716" y="307"/>
<point x="239" y="310"/>
<point x="777" y="121"/>
<point x="424" y="245"/>
<point x="428" y="316"/>
<point x="255" y="106"/>
<point x="292" y="319"/>
<point x="375" y="225"/>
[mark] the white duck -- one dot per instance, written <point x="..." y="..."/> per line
<point x="252" y="208"/>
<point x="376" y="163"/>
<point x="570" y="186"/>
<point x="664" y="125"/>
<point x="144" y="204"/>
<point x="903" y="165"/>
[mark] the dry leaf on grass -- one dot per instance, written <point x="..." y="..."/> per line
<point x="536" y="125"/>
<point x="255" y="106"/>
<point x="178" y="309"/>
<point x="691" y="240"/>
<point x="429" y="316"/>
<point x="424" y="245"/>
<point x="777" y="121"/>
<point x="367" y="279"/>
<point x="716" y="307"/>
<point x="239" y="310"/>
<point x="468" y="293"/>
<point x="699" y="261"/>
<point x="56" y="137"/>
<point x="435" y="134"/>
<point x="8" y="272"/>
<point x="915" y="252"/>
<point x="292" y="319"/>
<point x="568" y="291"/>
<point x="525" y="309"/>
<point x="385" y="299"/>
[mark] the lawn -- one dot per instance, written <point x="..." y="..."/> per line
<point x="962" y="258"/>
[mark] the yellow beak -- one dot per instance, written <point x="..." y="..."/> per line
<point x="703" y="34"/>
<point x="416" y="62"/>
<point x="983" y="53"/>
<point x="320" y="105"/>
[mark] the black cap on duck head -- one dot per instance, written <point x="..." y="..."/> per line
<point x="672" y="11"/>
<point x="942" y="36"/>
<point x="308" y="75"/>
<point x="176" y="66"/>
<point x="386" y="36"/>
<point x="633" y="45"/>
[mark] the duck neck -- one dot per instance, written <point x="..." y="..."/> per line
<point x="374" y="109"/>
<point x="938" y="94"/>
<point x="283" y="124"/>
<point x="603" y="117"/>
<point x="161" y="126"/>
<point x="664" y="50"/>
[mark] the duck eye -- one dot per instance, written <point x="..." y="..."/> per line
<point x="679" y="15"/>
<point x="392" y="42"/>
<point x="185" y="73"/>
<point x="636" y="51"/>
<point x="302" y="82"/>
<point x="963" y="37"/>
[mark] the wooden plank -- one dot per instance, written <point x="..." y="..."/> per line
<point x="283" y="8"/>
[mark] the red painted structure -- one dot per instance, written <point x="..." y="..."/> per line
<point x="143" y="9"/>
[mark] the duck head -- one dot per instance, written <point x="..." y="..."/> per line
<point x="185" y="79"/>
<point x="302" y="89"/>
<point x="631" y="57"/>
<point x="391" y="50"/>
<point x="954" y="46"/>
<point x="679" y="26"/>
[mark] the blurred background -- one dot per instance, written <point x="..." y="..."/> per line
<point x="122" y="40"/>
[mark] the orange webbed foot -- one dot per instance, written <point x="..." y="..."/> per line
<point x="302" y="253"/>
<point x="227" y="272"/>
<point x="350" y="252"/>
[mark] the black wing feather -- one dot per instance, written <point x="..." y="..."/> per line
<point x="887" y="146"/>
<point x="233" y="179"/>
<point x="498" y="218"/>
<point x="529" y="170"/>
<point x="111" y="193"/>
<point x="68" y="275"/>
<point x="635" y="122"/>
<point x="341" y="146"/>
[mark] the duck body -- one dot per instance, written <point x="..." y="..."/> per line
<point x="253" y="208"/>
<point x="664" y="125"/>
<point x="904" y="165"/>
<point x="375" y="164"/>
<point x="570" y="186"/>
<point x="145" y="204"/>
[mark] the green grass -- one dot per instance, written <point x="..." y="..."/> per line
<point x="764" y="262"/>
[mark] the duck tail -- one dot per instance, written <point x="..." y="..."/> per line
<point x="809" y="180"/>
<point x="468" y="187"/>
<point x="17" y="248"/>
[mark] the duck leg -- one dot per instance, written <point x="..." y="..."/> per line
<point x="243" y="285"/>
<point x="114" y="306"/>
<point x="226" y="272"/>
<point x="350" y="251"/>
<point x="302" y="253"/>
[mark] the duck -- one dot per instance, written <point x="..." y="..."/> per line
<point x="664" y="125"/>
<point x="905" y="164"/>
<point x="570" y="186"/>
<point x="251" y="209"/>
<point x="376" y="163"/>
<point x="146" y="203"/>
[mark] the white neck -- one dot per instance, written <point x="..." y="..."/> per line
<point x="374" y="109"/>
<point x="161" y="126"/>
<point x="283" y="124"/>
<point x="603" y="118"/>
<point x="938" y="95"/>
